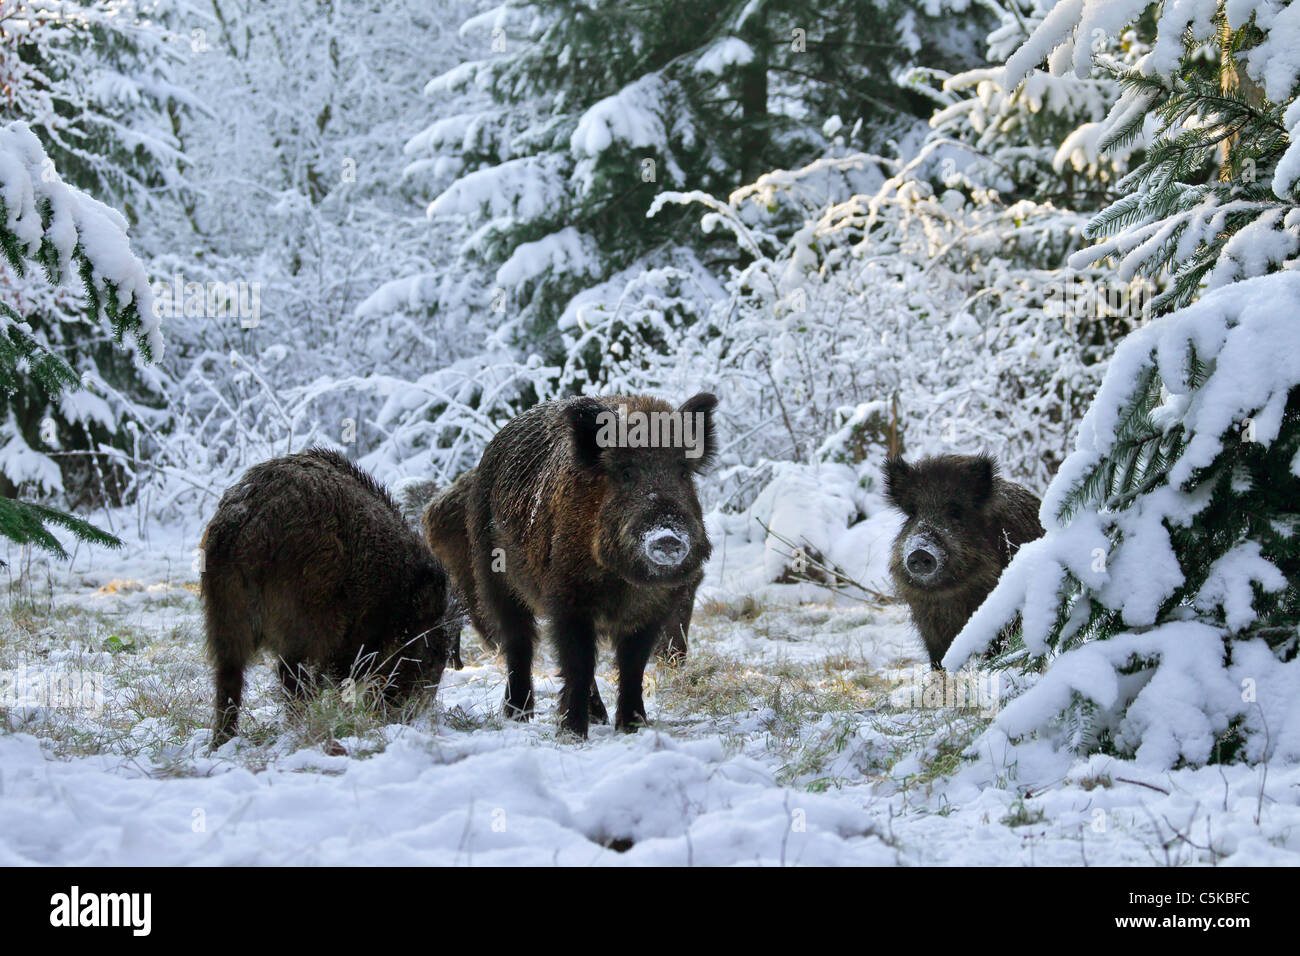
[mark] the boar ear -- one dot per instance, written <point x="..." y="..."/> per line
<point x="984" y="469"/>
<point x="583" y="416"/>
<point x="430" y="571"/>
<point x="701" y="453"/>
<point x="898" y="483"/>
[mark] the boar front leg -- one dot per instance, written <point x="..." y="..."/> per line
<point x="574" y="636"/>
<point x="632" y="651"/>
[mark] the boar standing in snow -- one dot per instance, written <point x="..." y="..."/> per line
<point x="964" y="523"/>
<point x="584" y="512"/>
<point x="308" y="556"/>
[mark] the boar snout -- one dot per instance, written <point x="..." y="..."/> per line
<point x="666" y="547"/>
<point x="924" y="558"/>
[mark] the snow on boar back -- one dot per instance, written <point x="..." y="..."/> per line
<point x="964" y="523"/>
<point x="583" y="512"/>
<point x="309" y="557"/>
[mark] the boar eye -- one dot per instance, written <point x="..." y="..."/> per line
<point x="626" y="474"/>
<point x="954" y="512"/>
<point x="686" y="472"/>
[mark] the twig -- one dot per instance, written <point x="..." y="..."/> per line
<point x="1149" y="786"/>
<point x="838" y="577"/>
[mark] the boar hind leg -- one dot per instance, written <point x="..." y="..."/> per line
<point x="632" y="651"/>
<point x="671" y="646"/>
<point x="515" y="632"/>
<point x="229" y="687"/>
<point x="574" y="637"/>
<point x="232" y="638"/>
<point x="596" y="706"/>
<point x="295" y="679"/>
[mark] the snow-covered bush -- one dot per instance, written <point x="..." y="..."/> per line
<point x="946" y="309"/>
<point x="1165" y="593"/>
<point x="1164" y="598"/>
<point x="304" y="208"/>
<point x="932" y="287"/>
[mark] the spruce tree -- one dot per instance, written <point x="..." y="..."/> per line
<point x="596" y="108"/>
<point x="95" y="82"/>
<point x="49" y="226"/>
<point x="1165" y="598"/>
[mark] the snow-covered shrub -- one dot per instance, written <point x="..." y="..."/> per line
<point x="931" y="288"/>
<point x="47" y="223"/>
<point x="1166" y="593"/>
<point x="1164" y="598"/>
<point x="943" y="307"/>
<point x="298" y="147"/>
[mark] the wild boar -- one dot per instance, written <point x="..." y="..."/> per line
<point x="583" y="512"/>
<point x="964" y="522"/>
<point x="308" y="557"/>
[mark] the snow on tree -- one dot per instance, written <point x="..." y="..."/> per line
<point x="1163" y="602"/>
<point x="427" y="411"/>
<point x="1164" y="595"/>
<point x="921" y="301"/>
<point x="1035" y="139"/>
<point x="46" y="223"/>
<point x="95" y="83"/>
<point x="297" y="145"/>
<point x="1214" y="200"/>
<point x="596" y="108"/>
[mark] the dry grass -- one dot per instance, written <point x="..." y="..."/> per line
<point x="826" y="717"/>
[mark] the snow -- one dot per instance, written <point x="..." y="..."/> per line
<point x="526" y="187"/>
<point x="847" y="307"/>
<point x="632" y="117"/>
<point x="664" y="546"/>
<point x="693" y="789"/>
<point x="1287" y="174"/>
<point x="78" y="226"/>
<point x="726" y="53"/>
<point x="22" y="464"/>
<point x="566" y="251"/>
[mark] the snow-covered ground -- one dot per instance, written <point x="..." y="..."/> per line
<point x="790" y="736"/>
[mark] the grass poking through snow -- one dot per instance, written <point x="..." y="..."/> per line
<point x="753" y="677"/>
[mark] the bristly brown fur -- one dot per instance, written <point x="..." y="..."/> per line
<point x="309" y="557"/>
<point x="553" y="524"/>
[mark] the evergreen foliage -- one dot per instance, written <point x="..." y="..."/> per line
<point x="597" y="108"/>
<point x="46" y="223"/>
<point x="1163" y="601"/>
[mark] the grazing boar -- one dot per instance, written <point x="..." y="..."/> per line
<point x="583" y="512"/>
<point x="308" y="556"/>
<point x="412" y="496"/>
<point x="964" y="523"/>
